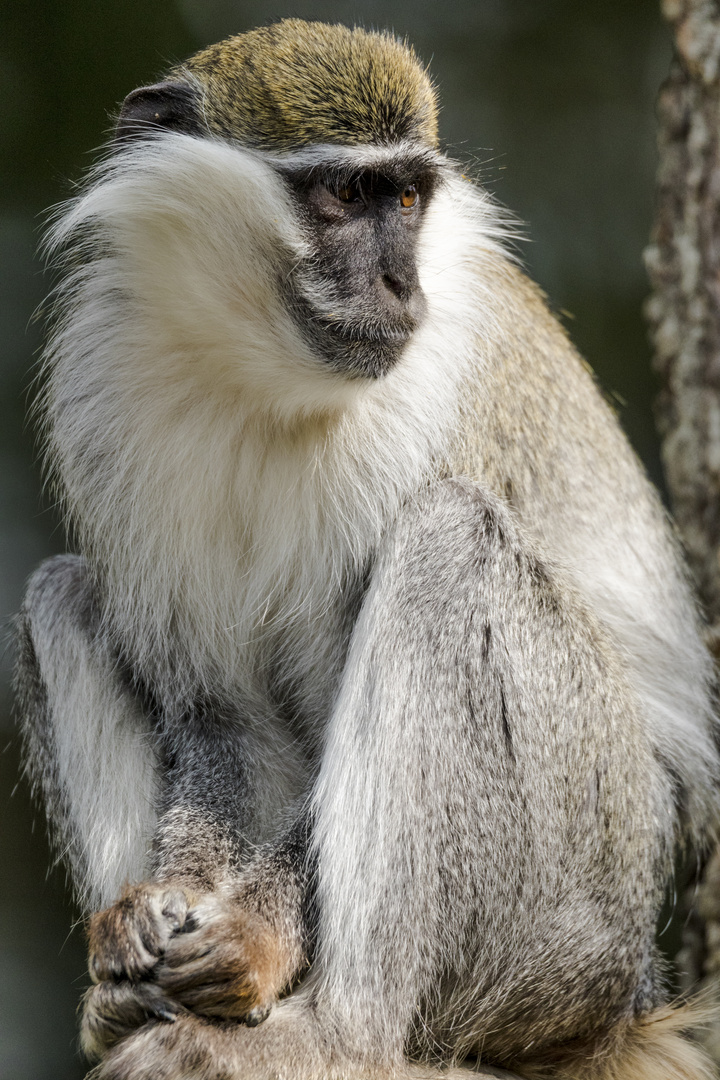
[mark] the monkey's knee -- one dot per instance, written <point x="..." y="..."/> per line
<point x="59" y="597"/>
<point x="459" y="527"/>
<point x="57" y="605"/>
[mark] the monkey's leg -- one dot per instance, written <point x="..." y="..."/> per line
<point x="485" y="885"/>
<point x="484" y="882"/>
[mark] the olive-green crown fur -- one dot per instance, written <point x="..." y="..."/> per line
<point x="296" y="83"/>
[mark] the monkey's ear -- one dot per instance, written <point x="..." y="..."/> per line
<point x="173" y="106"/>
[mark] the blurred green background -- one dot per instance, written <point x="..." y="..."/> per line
<point x="551" y="101"/>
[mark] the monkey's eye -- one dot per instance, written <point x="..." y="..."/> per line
<point x="350" y="193"/>
<point x="409" y="197"/>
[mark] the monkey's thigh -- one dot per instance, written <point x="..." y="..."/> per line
<point x="490" y="815"/>
<point x="88" y="745"/>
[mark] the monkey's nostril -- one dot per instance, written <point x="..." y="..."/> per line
<point x="392" y="284"/>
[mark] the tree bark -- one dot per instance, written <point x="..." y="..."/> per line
<point x="683" y="261"/>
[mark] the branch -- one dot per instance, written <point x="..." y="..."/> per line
<point x="683" y="261"/>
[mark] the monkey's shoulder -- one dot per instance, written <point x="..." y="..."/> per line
<point x="533" y="405"/>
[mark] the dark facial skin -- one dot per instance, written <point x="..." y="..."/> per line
<point x="358" y="300"/>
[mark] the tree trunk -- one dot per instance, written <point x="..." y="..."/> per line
<point x="683" y="262"/>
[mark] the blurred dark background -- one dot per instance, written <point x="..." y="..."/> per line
<point x="552" y="102"/>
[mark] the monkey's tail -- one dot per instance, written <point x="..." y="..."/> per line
<point x="658" y="1046"/>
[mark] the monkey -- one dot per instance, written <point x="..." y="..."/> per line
<point x="373" y="706"/>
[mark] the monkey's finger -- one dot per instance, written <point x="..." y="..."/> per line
<point x="228" y="979"/>
<point x="113" y="1009"/>
<point x="225" y="963"/>
<point x="187" y="948"/>
<point x="220" y="936"/>
<point x="229" y="999"/>
<point x="222" y="949"/>
<point x="184" y="948"/>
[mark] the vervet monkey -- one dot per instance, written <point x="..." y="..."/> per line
<point x="374" y="705"/>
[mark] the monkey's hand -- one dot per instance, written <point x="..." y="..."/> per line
<point x="154" y="956"/>
<point x="127" y="939"/>
<point x="227" y="962"/>
<point x="126" y="942"/>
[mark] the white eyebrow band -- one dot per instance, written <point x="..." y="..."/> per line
<point x="367" y="156"/>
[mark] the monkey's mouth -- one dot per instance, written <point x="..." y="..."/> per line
<point x="360" y="348"/>
<point x="365" y="333"/>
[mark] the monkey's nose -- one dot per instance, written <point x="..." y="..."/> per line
<point x="397" y="290"/>
<point x="400" y="298"/>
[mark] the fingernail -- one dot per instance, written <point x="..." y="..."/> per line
<point x="256" y="1016"/>
<point x="166" y="1014"/>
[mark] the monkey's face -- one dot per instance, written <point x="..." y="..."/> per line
<point x="283" y="227"/>
<point x="347" y="120"/>
<point x="357" y="298"/>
